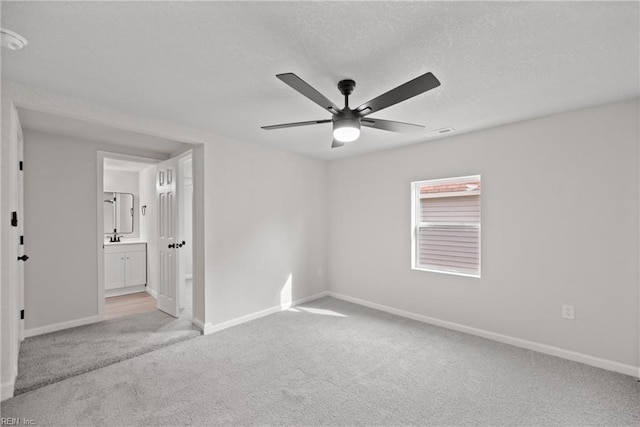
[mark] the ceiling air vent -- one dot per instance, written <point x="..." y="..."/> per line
<point x="439" y="132"/>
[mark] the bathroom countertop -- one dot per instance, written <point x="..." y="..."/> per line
<point x="125" y="242"/>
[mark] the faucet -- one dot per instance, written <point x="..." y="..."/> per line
<point x="115" y="237"/>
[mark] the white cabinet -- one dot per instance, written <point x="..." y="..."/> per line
<point x="125" y="265"/>
<point x="113" y="270"/>
<point x="135" y="268"/>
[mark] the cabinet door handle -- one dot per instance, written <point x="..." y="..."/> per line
<point x="171" y="245"/>
<point x="23" y="258"/>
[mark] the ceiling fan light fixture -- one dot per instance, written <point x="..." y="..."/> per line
<point x="346" y="129"/>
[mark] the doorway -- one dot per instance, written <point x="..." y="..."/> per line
<point x="132" y="218"/>
<point x="67" y="153"/>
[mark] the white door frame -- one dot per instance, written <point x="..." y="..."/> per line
<point x="183" y="160"/>
<point x="101" y="155"/>
<point x="15" y="285"/>
<point x="19" y="200"/>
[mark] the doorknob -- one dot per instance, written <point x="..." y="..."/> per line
<point x="23" y="258"/>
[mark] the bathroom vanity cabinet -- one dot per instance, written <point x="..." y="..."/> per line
<point x="125" y="266"/>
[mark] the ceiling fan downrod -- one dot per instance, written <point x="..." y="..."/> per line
<point x="346" y="88"/>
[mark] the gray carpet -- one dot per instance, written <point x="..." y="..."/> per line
<point x="330" y="362"/>
<point x="49" y="358"/>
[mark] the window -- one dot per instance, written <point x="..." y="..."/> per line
<point x="446" y="225"/>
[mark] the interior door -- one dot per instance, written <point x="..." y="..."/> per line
<point x="22" y="257"/>
<point x="168" y="244"/>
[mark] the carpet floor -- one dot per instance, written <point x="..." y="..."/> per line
<point x="53" y="357"/>
<point x="329" y="362"/>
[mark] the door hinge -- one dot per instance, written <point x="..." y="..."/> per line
<point x="22" y="240"/>
<point x="22" y="314"/>
<point x="14" y="219"/>
<point x="21" y="165"/>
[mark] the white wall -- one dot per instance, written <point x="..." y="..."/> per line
<point x="559" y="225"/>
<point x="37" y="99"/>
<point x="239" y="267"/>
<point x="149" y="223"/>
<point x="121" y="181"/>
<point x="118" y="181"/>
<point x="265" y="228"/>
<point x="60" y="227"/>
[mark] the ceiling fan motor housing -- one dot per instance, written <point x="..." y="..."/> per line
<point x="346" y="87"/>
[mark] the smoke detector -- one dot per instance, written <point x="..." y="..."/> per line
<point x="12" y="40"/>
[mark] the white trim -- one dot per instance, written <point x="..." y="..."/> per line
<point x="441" y="270"/>
<point x="454" y="180"/>
<point x="100" y="156"/>
<point x="136" y="289"/>
<point x="416" y="225"/>
<point x="7" y="387"/>
<point x="451" y="194"/>
<point x="152" y="292"/>
<point x="517" y="342"/>
<point x="60" y="326"/>
<point x="209" y="328"/>
<point x="199" y="324"/>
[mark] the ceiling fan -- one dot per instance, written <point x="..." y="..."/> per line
<point x="347" y="122"/>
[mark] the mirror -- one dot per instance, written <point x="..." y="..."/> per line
<point x="118" y="213"/>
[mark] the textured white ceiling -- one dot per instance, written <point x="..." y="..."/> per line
<point x="212" y="65"/>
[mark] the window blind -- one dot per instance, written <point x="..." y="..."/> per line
<point x="448" y="232"/>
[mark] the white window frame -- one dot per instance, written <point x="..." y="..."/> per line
<point x="416" y="225"/>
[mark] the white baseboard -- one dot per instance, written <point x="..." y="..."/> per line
<point x="7" y="387"/>
<point x="517" y="342"/>
<point x="209" y="328"/>
<point x="124" y="291"/>
<point x="198" y="324"/>
<point x="152" y="292"/>
<point x="60" y="326"/>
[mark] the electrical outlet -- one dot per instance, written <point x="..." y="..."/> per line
<point x="568" y="312"/>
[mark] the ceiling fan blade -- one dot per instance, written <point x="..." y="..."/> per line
<point x="403" y="92"/>
<point x="391" y="125"/>
<point x="304" y="88"/>
<point x="291" y="125"/>
<point x="336" y="144"/>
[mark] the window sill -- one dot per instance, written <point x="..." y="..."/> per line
<point x="454" y="273"/>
